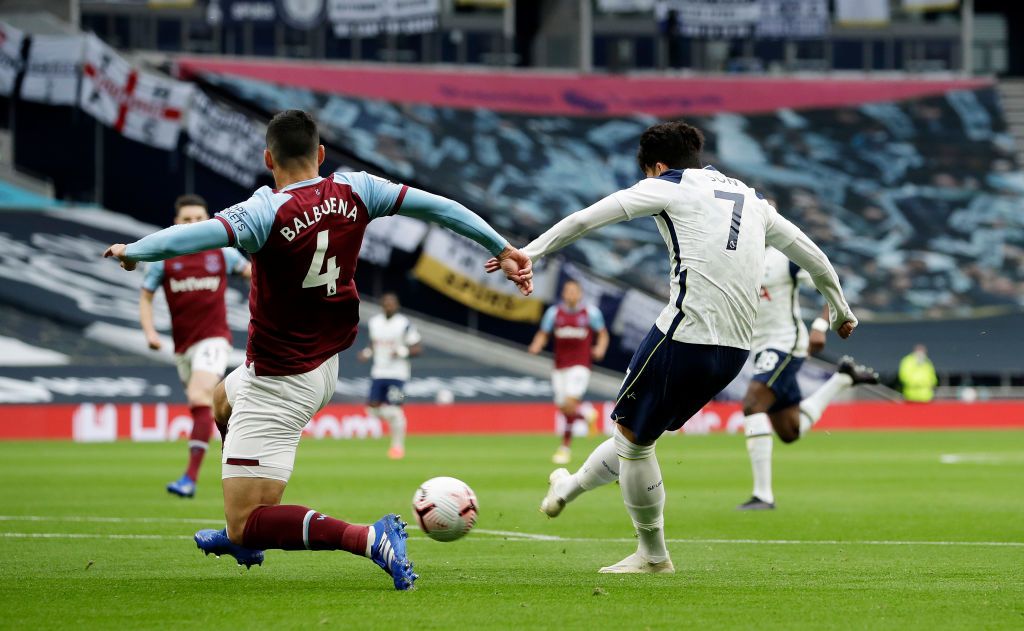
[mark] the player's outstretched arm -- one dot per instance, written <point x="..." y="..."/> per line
<point x="791" y="241"/>
<point x="605" y="212"/>
<point x="461" y="220"/>
<point x="170" y="242"/>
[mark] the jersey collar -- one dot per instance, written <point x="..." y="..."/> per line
<point x="296" y="185"/>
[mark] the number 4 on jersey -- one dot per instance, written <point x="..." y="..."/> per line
<point x="329" y="277"/>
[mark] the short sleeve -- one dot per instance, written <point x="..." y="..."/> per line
<point x="236" y="263"/>
<point x="381" y="197"/>
<point x="547" y="323"/>
<point x="596" y="319"/>
<point x="645" y="198"/>
<point x="249" y="223"/>
<point x="412" y="335"/>
<point x="154" y="276"/>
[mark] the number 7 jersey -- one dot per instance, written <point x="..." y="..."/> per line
<point x="305" y="241"/>
<point x="714" y="228"/>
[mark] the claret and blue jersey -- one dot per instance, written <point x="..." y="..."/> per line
<point x="304" y="240"/>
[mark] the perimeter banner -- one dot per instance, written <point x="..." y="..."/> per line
<point x="568" y="94"/>
<point x="155" y="422"/>
<point x="454" y="266"/>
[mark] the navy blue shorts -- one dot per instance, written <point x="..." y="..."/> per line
<point x="777" y="370"/>
<point x="668" y="382"/>
<point x="387" y="391"/>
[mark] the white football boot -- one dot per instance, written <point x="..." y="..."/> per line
<point x="636" y="564"/>
<point x="562" y="455"/>
<point x="552" y="504"/>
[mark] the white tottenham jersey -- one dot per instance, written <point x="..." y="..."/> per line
<point x="778" y="323"/>
<point x="714" y="227"/>
<point x="386" y="336"/>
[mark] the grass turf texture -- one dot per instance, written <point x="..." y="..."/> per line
<point x="849" y="487"/>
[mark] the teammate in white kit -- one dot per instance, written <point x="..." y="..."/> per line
<point x="393" y="340"/>
<point x="715" y="228"/>
<point x="773" y="398"/>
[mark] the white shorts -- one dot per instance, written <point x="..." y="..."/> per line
<point x="209" y="355"/>
<point x="267" y="417"/>
<point x="570" y="383"/>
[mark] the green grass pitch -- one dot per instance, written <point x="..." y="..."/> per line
<point x="872" y="531"/>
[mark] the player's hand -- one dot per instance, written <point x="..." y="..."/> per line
<point x="534" y="349"/>
<point x="364" y="355"/>
<point x="846" y="330"/>
<point x="517" y="267"/>
<point x="597" y="354"/>
<point x="816" y="342"/>
<point x="118" y="251"/>
<point x="153" y="340"/>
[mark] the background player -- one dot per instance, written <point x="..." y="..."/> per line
<point x="715" y="228"/>
<point x="194" y="286"/>
<point x="304" y="238"/>
<point x="573" y="325"/>
<point x="393" y="340"/>
<point x="773" y="397"/>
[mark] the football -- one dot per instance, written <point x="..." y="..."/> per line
<point x="445" y="508"/>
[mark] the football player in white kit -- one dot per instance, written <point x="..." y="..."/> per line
<point x="393" y="340"/>
<point x="773" y="398"/>
<point x="715" y="229"/>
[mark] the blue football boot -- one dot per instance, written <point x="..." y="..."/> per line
<point x="182" y="487"/>
<point x="388" y="550"/>
<point x="216" y="542"/>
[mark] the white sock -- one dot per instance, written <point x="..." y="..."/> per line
<point x="814" y="406"/>
<point x="760" y="442"/>
<point x="395" y="417"/>
<point x="643" y="492"/>
<point x="600" y="468"/>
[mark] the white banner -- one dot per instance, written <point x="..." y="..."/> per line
<point x="367" y="18"/>
<point x="142" y="106"/>
<point x="793" y="18"/>
<point x="624" y="6"/>
<point x="862" y="12"/>
<point x="10" y="57"/>
<point x="386" y="234"/>
<point x="51" y="74"/>
<point x="225" y="141"/>
<point x="717" y="18"/>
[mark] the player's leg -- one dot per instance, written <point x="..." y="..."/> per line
<point x="643" y="492"/>
<point x="644" y="410"/>
<point x="559" y="384"/>
<point x="757" y="427"/>
<point x="848" y="374"/>
<point x="393" y="413"/>
<point x="600" y="468"/>
<point x="258" y="460"/>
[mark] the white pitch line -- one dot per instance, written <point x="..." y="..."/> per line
<point x="981" y="459"/>
<point x="525" y="536"/>
<point x="508" y="535"/>
<point x="112" y="520"/>
<point x="79" y="535"/>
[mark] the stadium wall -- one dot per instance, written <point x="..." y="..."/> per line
<point x="149" y="422"/>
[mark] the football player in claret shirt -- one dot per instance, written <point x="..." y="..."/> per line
<point x="194" y="286"/>
<point x="574" y="327"/>
<point x="304" y="237"/>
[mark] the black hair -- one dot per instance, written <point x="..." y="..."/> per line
<point x="292" y="136"/>
<point x="189" y="200"/>
<point x="675" y="144"/>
